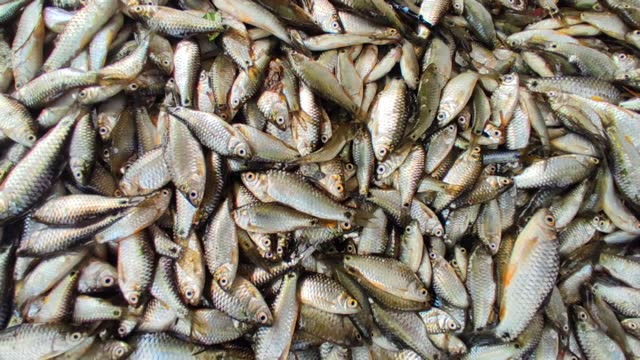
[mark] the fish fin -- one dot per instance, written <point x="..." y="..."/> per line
<point x="297" y="42"/>
<point x="361" y="116"/>
<point x="452" y="189"/>
<point x="361" y="218"/>
<point x="253" y="72"/>
<point x="632" y="92"/>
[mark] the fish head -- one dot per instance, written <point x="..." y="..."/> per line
<point x="117" y="349"/>
<point x="141" y="12"/>
<point x="348" y="303"/>
<point x="239" y="147"/>
<point x="69" y="340"/>
<point x="257" y="183"/>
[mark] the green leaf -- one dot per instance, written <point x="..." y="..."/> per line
<point x="215" y="17"/>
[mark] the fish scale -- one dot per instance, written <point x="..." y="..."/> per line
<point x="35" y="173"/>
<point x="172" y="22"/>
<point x="530" y="274"/>
<point x="336" y="164"/>
<point x="79" y="31"/>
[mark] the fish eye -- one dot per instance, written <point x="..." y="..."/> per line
<point x="442" y="116"/>
<point x="452" y="127"/>
<point x="493" y="246"/>
<point x="107" y="281"/>
<point x="250" y="176"/>
<point x="203" y="76"/>
<point x="451" y="325"/>
<point x="550" y="220"/>
<point x="103" y="130"/>
<point x="339" y="188"/>
<point x="622" y="56"/>
<point x="82" y="93"/>
<point x="324" y="138"/>
<point x="382" y="152"/>
<point x="380" y="170"/>
<point x="137" y="9"/>
<point x="188" y="294"/>
<point x="165" y="62"/>
<point x="456" y="5"/>
<point x="438" y="233"/>
<point x="553" y="46"/>
<point x="595" y="160"/>
<point x="432" y="255"/>
<point x="235" y="102"/>
<point x="280" y="250"/>
<point x="268" y="255"/>
<point x="165" y="192"/>
<point x="345" y="225"/>
<point x="119" y="352"/>
<point x="335" y="25"/>
<point x="31" y="138"/>
<point x="582" y="315"/>
<point x="505" y="181"/>
<point x="632" y="325"/>
<point x="407" y="229"/>
<point x="497" y="133"/>
<point x="353" y="303"/>
<point x="187" y="101"/>
<point x="223" y="281"/>
<point x="350" y="248"/>
<point x="133" y="86"/>
<point x="454" y="262"/>
<point x="18" y="85"/>
<point x="262" y="317"/>
<point x="76" y="336"/>
<point x="242" y="152"/>
<point x="280" y="120"/>
<point x="424" y="292"/>
<point x="193" y="194"/>
<point x="349" y="166"/>
<point x="463" y="250"/>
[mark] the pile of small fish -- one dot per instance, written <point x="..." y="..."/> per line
<point x="319" y="179"/>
